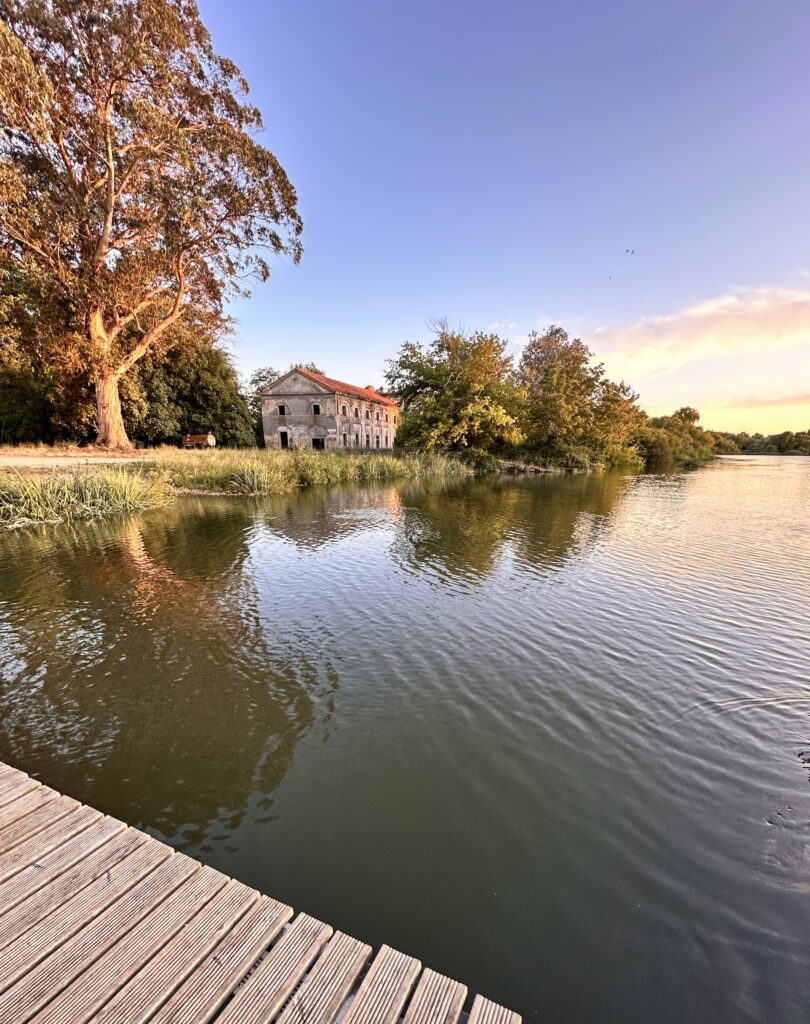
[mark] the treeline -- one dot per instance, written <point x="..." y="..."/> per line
<point x="787" y="442"/>
<point x="555" y="405"/>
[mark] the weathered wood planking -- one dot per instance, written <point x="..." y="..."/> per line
<point x="102" y="924"/>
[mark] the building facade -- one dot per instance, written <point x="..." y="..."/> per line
<point x="307" y="410"/>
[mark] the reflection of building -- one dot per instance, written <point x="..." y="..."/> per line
<point x="307" y="410"/>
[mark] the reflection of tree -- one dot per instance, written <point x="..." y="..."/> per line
<point x="456" y="531"/>
<point x="560" y="518"/>
<point x="463" y="531"/>
<point x="137" y="672"/>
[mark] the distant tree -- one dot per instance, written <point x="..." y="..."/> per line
<point x="457" y="392"/>
<point x="132" y="190"/>
<point x="312" y="367"/>
<point x="255" y="384"/>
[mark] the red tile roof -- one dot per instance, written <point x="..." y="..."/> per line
<point x="367" y="394"/>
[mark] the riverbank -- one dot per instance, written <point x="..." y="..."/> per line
<point x="73" y="491"/>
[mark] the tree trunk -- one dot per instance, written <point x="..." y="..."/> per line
<point x="111" y="430"/>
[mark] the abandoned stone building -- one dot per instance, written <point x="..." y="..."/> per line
<point x="307" y="410"/>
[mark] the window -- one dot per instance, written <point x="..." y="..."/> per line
<point x="395" y="419"/>
<point x="386" y="417"/>
<point x="357" y="414"/>
<point x="387" y="445"/>
<point x="378" y="417"/>
<point x="343" y="410"/>
<point x="282" y="410"/>
<point x="316" y="409"/>
<point x="356" y="440"/>
<point x="378" y="440"/>
<point x="345" y="441"/>
<point x="368" y="414"/>
<point x="368" y="440"/>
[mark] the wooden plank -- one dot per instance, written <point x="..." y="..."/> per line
<point x="99" y="983"/>
<point x="35" y="820"/>
<point x="484" y="1011"/>
<point x="23" y="803"/>
<point x="268" y="987"/>
<point x="59" y="891"/>
<point x="437" y="1000"/>
<point x="36" y="860"/>
<point x="384" y="990"/>
<point x="319" y="997"/>
<point x="10" y="789"/>
<point x="151" y="987"/>
<point x="200" y="997"/>
<point x="42" y="983"/>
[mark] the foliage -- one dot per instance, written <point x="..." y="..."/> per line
<point x="193" y="390"/>
<point x="456" y="393"/>
<point x="84" y="494"/>
<point x="255" y="384"/>
<point x="573" y="414"/>
<point x="788" y="442"/>
<point x="132" y="190"/>
<point x="482" y="463"/>
<point x="677" y="440"/>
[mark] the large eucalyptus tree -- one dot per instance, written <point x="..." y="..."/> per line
<point x="132" y="185"/>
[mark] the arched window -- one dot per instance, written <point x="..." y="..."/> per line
<point x="368" y="414"/>
<point x="386" y="417"/>
<point x="378" y="417"/>
<point x="343" y="410"/>
<point x="395" y="419"/>
<point x="282" y="410"/>
<point x="357" y="414"/>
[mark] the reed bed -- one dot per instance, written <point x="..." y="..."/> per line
<point x="242" y="471"/>
<point x="28" y="499"/>
<point x="79" y="494"/>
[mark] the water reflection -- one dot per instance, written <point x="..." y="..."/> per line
<point x="500" y="724"/>
<point x="463" y="533"/>
<point x="143" y="678"/>
<point x="158" y="666"/>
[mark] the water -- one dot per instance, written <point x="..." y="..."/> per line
<point x="543" y="734"/>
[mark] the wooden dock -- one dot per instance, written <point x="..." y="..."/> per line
<point x="100" y="922"/>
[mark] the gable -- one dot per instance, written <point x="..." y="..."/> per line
<point x="295" y="383"/>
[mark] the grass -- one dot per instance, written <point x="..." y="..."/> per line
<point x="246" y="471"/>
<point x="81" y="494"/>
<point x="56" y="496"/>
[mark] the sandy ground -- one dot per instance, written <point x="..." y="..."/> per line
<point x="37" y="459"/>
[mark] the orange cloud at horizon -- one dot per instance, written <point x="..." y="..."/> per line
<point x="742" y="359"/>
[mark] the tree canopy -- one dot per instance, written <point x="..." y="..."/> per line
<point x="132" y="187"/>
<point x="574" y="412"/>
<point x="457" y="392"/>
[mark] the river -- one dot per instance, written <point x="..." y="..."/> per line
<point x="545" y="734"/>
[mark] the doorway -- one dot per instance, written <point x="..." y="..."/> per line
<point x="284" y="439"/>
<point x="318" y="443"/>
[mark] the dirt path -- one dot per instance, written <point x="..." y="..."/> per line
<point x="58" y="460"/>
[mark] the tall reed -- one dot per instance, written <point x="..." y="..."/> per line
<point x="80" y="494"/>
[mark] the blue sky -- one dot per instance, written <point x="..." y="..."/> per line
<point x="491" y="162"/>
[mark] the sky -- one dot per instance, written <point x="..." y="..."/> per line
<point x="636" y="172"/>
